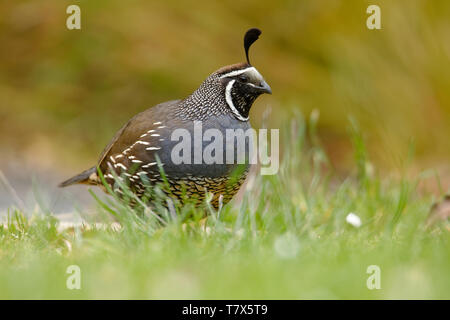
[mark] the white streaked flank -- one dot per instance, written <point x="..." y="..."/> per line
<point x="149" y="165"/>
<point x="120" y="165"/>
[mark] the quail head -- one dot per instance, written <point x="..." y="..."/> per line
<point x="152" y="140"/>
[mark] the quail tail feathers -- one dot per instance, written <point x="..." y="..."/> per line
<point x="83" y="178"/>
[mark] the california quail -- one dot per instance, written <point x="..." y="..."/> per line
<point x="222" y="102"/>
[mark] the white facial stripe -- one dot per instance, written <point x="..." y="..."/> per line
<point x="230" y="101"/>
<point x="238" y="72"/>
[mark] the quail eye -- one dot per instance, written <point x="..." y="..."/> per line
<point x="243" y="78"/>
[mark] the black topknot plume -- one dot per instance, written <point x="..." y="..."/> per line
<point x="250" y="36"/>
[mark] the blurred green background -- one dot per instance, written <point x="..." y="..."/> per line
<point x="63" y="93"/>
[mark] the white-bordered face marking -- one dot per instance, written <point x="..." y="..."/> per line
<point x="253" y="79"/>
<point x="251" y="72"/>
<point x="230" y="101"/>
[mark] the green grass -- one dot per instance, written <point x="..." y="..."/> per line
<point x="288" y="238"/>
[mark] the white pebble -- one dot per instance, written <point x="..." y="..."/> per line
<point x="353" y="219"/>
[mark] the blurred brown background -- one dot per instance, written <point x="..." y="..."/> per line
<point x="64" y="93"/>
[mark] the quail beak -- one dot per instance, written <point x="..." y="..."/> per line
<point x="264" y="88"/>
